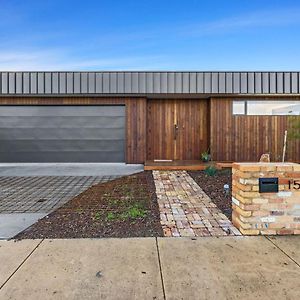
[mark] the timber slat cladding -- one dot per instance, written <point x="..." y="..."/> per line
<point x="135" y="117"/>
<point x="191" y="116"/>
<point x="245" y="138"/>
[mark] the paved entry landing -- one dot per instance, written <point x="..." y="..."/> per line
<point x="42" y="194"/>
<point x="185" y="210"/>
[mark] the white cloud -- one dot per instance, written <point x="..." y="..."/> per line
<point x="56" y="60"/>
<point x="270" y="18"/>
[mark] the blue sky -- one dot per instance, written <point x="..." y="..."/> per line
<point x="150" y="35"/>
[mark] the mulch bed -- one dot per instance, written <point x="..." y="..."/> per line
<point x="213" y="186"/>
<point x="125" y="207"/>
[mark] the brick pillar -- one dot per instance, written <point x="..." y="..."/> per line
<point x="257" y="213"/>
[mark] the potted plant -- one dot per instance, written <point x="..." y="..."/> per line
<point x="205" y="156"/>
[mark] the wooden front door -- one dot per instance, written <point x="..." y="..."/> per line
<point x="177" y="129"/>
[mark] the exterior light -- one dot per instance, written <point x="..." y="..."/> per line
<point x="226" y="189"/>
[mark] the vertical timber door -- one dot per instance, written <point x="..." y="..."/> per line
<point x="177" y="129"/>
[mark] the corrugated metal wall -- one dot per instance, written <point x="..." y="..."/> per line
<point x="141" y="83"/>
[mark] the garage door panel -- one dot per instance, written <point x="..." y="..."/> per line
<point x="62" y="122"/>
<point x="109" y="156"/>
<point x="80" y="111"/>
<point x="62" y="133"/>
<point x="62" y="145"/>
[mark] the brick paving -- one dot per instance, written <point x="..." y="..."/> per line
<point x="185" y="210"/>
<point x="42" y="194"/>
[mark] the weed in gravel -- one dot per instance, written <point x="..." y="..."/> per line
<point x="110" y="216"/>
<point x="135" y="212"/>
<point x="132" y="212"/>
<point x="97" y="216"/>
<point x="113" y="201"/>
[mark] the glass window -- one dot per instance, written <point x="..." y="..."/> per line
<point x="239" y="107"/>
<point x="267" y="108"/>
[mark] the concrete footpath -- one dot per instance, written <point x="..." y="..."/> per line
<point x="150" y="268"/>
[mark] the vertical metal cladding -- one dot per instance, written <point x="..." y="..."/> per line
<point x="142" y="82"/>
<point x="272" y="83"/>
<point x="186" y="83"/>
<point x="215" y="83"/>
<point x="244" y="83"/>
<point x="193" y="82"/>
<point x="294" y="82"/>
<point x="134" y="83"/>
<point x="156" y="83"/>
<point x="55" y="83"/>
<point x="99" y="83"/>
<point x="279" y="83"/>
<point x="164" y="82"/>
<point x="250" y="83"/>
<point x="222" y="82"/>
<point x="236" y="83"/>
<point x="84" y="83"/>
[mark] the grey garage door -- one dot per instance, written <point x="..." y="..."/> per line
<point x="62" y="133"/>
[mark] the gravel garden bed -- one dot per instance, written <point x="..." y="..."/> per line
<point x="125" y="207"/>
<point x="213" y="186"/>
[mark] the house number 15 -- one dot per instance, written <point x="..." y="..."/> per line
<point x="294" y="184"/>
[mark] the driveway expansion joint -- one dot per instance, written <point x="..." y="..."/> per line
<point x="160" y="269"/>
<point x="280" y="249"/>
<point x="21" y="264"/>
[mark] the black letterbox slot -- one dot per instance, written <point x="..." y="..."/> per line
<point x="268" y="185"/>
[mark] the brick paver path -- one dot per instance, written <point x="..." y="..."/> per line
<point x="185" y="210"/>
<point x="42" y="194"/>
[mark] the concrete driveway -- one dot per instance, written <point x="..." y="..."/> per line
<point x="68" y="169"/>
<point x="150" y="268"/>
<point x="29" y="192"/>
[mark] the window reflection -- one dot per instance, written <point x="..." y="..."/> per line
<point x="253" y="107"/>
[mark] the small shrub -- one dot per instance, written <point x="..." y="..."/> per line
<point x="205" y="156"/>
<point x="210" y="171"/>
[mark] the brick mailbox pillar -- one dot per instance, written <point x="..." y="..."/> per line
<point x="258" y="208"/>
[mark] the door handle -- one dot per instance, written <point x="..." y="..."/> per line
<point x="175" y="131"/>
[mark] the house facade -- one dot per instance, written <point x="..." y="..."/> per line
<point x="133" y="117"/>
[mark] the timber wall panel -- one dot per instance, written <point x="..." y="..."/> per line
<point x="245" y="138"/>
<point x="135" y="117"/>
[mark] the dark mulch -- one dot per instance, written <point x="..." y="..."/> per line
<point x="125" y="207"/>
<point x="213" y="186"/>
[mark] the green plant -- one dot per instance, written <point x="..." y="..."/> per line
<point x="135" y="212"/>
<point x="210" y="171"/>
<point x="110" y="216"/>
<point x="205" y="156"/>
<point x="113" y="202"/>
<point x="97" y="216"/>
